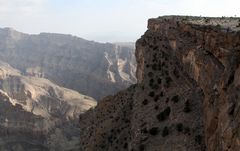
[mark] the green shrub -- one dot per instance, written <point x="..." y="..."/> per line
<point x="144" y="131"/>
<point x="179" y="127"/>
<point x="167" y="100"/>
<point x="187" y="130"/>
<point x="164" y="114"/>
<point x="155" y="87"/>
<point x="187" y="108"/>
<point x="168" y="80"/>
<point x="238" y="25"/>
<point x="176" y="73"/>
<point x="151" y="94"/>
<point x="175" y="99"/>
<point x="218" y="26"/>
<point x="151" y="81"/>
<point x="150" y="74"/>
<point x="125" y="146"/>
<point x="156" y="98"/>
<point x="198" y="139"/>
<point x="165" y="131"/>
<point x="154" y="67"/>
<point x="145" y="102"/>
<point x="159" y="81"/>
<point x="154" y="131"/>
<point x="141" y="147"/>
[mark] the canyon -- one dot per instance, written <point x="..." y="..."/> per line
<point x="181" y="93"/>
<point x="187" y="93"/>
<point x="91" y="68"/>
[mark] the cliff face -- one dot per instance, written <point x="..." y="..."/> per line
<point x="92" y="68"/>
<point x="187" y="95"/>
<point x="37" y="114"/>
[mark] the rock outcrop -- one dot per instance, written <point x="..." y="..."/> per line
<point x="91" y="68"/>
<point x="187" y="94"/>
<point x="36" y="114"/>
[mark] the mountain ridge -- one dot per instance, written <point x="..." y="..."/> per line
<point x="71" y="61"/>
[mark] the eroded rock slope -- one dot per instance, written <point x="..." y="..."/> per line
<point x="36" y="114"/>
<point x="187" y="95"/>
<point x="91" y="68"/>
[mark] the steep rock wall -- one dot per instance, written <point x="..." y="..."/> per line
<point x="187" y="95"/>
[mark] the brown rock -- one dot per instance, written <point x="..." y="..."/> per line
<point x="187" y="95"/>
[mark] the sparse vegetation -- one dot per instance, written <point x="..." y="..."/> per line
<point x="198" y="139"/>
<point x="145" y="102"/>
<point x="154" y="131"/>
<point x="164" y="114"/>
<point x="154" y="67"/>
<point x="144" y="131"/>
<point x="155" y="87"/>
<point x="238" y="25"/>
<point x="161" y="94"/>
<point x="165" y="132"/>
<point x="156" y="98"/>
<point x="179" y="127"/>
<point x="207" y="20"/>
<point x="125" y="146"/>
<point x="151" y="81"/>
<point x="167" y="100"/>
<point x="150" y="74"/>
<point x="176" y="73"/>
<point x="186" y="130"/>
<point x="151" y="94"/>
<point x="141" y="147"/>
<point x="168" y="80"/>
<point x="218" y="26"/>
<point x="175" y="99"/>
<point x="187" y="108"/>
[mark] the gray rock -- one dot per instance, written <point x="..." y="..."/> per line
<point x="91" y="68"/>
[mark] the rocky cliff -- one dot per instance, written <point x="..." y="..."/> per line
<point x="36" y="114"/>
<point x="91" y="68"/>
<point x="187" y="94"/>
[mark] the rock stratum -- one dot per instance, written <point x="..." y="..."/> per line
<point x="91" y="68"/>
<point x="38" y="115"/>
<point x="187" y="97"/>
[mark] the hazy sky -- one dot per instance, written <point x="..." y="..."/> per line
<point x="103" y="20"/>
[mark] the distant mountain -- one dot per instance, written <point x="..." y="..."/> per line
<point x="92" y="68"/>
<point x="36" y="114"/>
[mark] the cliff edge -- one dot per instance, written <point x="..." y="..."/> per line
<point x="187" y="95"/>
